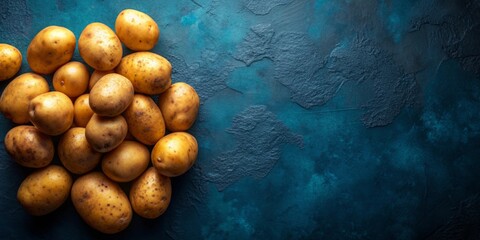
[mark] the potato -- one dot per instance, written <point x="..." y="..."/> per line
<point x="126" y="162"/>
<point x="150" y="194"/>
<point x="96" y="75"/>
<point x="17" y="95"/>
<point x="29" y="147"/>
<point x="175" y="154"/>
<point x="75" y="153"/>
<point x="82" y="111"/>
<point x="101" y="203"/>
<point x="10" y="61"/>
<point x="51" y="112"/>
<point x="145" y="120"/>
<point x="136" y="30"/>
<point x="71" y="79"/>
<point x="44" y="190"/>
<point x="100" y="47"/>
<point x="52" y="47"/>
<point x="106" y="133"/>
<point x="179" y="106"/>
<point x="111" y="95"/>
<point x="150" y="73"/>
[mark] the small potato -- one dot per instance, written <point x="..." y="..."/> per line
<point x="100" y="47"/>
<point x="145" y="120"/>
<point x="96" y="75"/>
<point x="136" y="30"/>
<point x="101" y="203"/>
<point x="179" y="106"/>
<point x="52" y="47"/>
<point x="17" y="95"/>
<point x="51" y="112"/>
<point x="150" y="194"/>
<point x="150" y="73"/>
<point x="106" y="133"/>
<point x="82" y="111"/>
<point x="29" y="147"/>
<point x="44" y="190"/>
<point x="71" y="79"/>
<point x="111" y="95"/>
<point x="75" y="153"/>
<point x="126" y="162"/>
<point x="10" y="61"/>
<point x="175" y="154"/>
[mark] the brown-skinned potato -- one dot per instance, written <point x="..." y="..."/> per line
<point x="126" y="162"/>
<point x="179" y="106"/>
<point x="137" y="30"/>
<point x="106" y="133"/>
<point x="111" y="95"/>
<point x="51" y="112"/>
<point x="175" y="154"/>
<point x="75" y="153"/>
<point x="10" y="61"/>
<point x="99" y="47"/>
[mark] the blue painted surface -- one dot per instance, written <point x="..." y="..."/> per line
<point x="319" y="119"/>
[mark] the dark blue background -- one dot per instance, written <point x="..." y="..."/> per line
<point x="320" y="119"/>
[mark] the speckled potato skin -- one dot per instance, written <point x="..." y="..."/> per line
<point x="45" y="190"/>
<point x="111" y="95"/>
<point x="179" y="106"/>
<point x="101" y="203"/>
<point x="10" y="61"/>
<point x="52" y="47"/>
<point x="126" y="162"/>
<point x="137" y="30"/>
<point x="106" y="133"/>
<point x="95" y="76"/>
<point x="71" y="79"/>
<point x="150" y="194"/>
<point x="17" y="95"/>
<point x="82" y="111"/>
<point x="51" y="112"/>
<point x="149" y="73"/>
<point x="145" y="120"/>
<point x="175" y="154"/>
<point x="99" y="47"/>
<point x="29" y="147"/>
<point x="75" y="153"/>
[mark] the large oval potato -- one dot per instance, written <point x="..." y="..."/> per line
<point x="10" y="61"/>
<point x="51" y="112"/>
<point x="179" y="106"/>
<point x="29" y="147"/>
<point x="71" y="79"/>
<point x="136" y="30"/>
<point x="82" y="111"/>
<point x="111" y="95"/>
<point x="17" y="95"/>
<point x="106" y="133"/>
<point x="75" y="153"/>
<point x="52" y="47"/>
<point x="145" y="120"/>
<point x="175" y="154"/>
<point x="100" y="47"/>
<point x="126" y="162"/>
<point x="101" y="203"/>
<point x="150" y="73"/>
<point x="150" y="194"/>
<point x="44" y="190"/>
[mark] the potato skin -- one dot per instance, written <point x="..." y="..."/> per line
<point x="10" y="61"/>
<point x="96" y="75"/>
<point x="111" y="95"/>
<point x="17" y="95"/>
<point x="99" y="47"/>
<point x="52" y="47"/>
<point x="149" y="73"/>
<point x="150" y="194"/>
<point x="145" y="120"/>
<point x="71" y="79"/>
<point x="82" y="111"/>
<point x="44" y="190"/>
<point x="174" y="154"/>
<point x="137" y="30"/>
<point x="106" y="133"/>
<point x="75" y="153"/>
<point x="179" y="106"/>
<point x="29" y="147"/>
<point x="101" y="203"/>
<point x="126" y="162"/>
<point x="51" y="112"/>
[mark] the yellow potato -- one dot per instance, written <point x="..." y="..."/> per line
<point x="44" y="190"/>
<point x="136" y="30"/>
<point x="51" y="112"/>
<point x="179" y="106"/>
<point x="17" y="95"/>
<point x="111" y="95"/>
<point x="82" y="111"/>
<point x="71" y="79"/>
<point x="150" y="194"/>
<point x="100" y="47"/>
<point x="126" y="162"/>
<point x="52" y="47"/>
<point x="29" y="147"/>
<point x="75" y="153"/>
<point x="96" y="75"/>
<point x="101" y="203"/>
<point x="10" y="61"/>
<point x="175" y="154"/>
<point x="150" y="73"/>
<point x="145" y="120"/>
<point x="106" y="133"/>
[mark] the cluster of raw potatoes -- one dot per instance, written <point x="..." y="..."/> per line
<point x="106" y="118"/>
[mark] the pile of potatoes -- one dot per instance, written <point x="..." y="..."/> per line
<point x="107" y="125"/>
